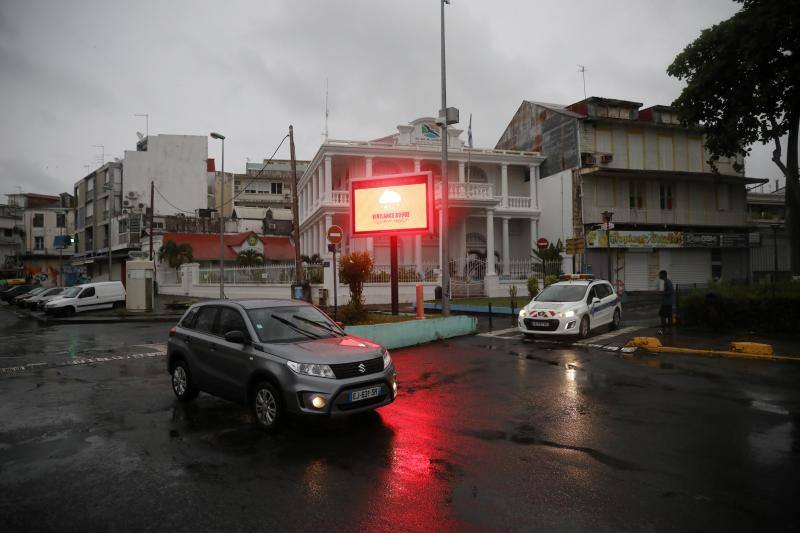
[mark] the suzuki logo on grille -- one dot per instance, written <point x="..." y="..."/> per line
<point x="362" y="368"/>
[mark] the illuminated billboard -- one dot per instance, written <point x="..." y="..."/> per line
<point x="398" y="204"/>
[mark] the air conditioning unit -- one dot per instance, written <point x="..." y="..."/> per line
<point x="587" y="158"/>
<point x="606" y="159"/>
<point x="124" y="211"/>
<point x="126" y="203"/>
<point x="132" y="195"/>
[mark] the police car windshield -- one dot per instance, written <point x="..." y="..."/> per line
<point x="562" y="293"/>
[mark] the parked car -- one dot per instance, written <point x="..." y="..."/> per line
<point x="33" y="301"/>
<point x="21" y="298"/>
<point x="15" y="291"/>
<point x="279" y="357"/>
<point x="573" y="306"/>
<point x="43" y="300"/>
<point x="88" y="297"/>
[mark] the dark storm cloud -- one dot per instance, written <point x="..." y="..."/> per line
<point x="72" y="74"/>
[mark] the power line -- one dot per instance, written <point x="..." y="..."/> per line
<point x="173" y="205"/>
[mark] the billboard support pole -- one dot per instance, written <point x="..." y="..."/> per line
<point x="394" y="275"/>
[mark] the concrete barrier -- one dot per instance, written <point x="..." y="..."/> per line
<point x="413" y="332"/>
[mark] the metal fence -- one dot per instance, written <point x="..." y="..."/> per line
<point x="281" y="274"/>
<point x="406" y="273"/>
<point x="522" y="269"/>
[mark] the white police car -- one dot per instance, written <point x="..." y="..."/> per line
<point x="573" y="306"/>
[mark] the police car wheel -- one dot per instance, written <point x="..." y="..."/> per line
<point x="584" y="327"/>
<point x="617" y="318"/>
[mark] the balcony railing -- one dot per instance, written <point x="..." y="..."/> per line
<point x="515" y="202"/>
<point x="338" y="198"/>
<point x="667" y="216"/>
<point x="467" y="191"/>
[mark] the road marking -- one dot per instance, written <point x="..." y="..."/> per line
<point x="5" y="371"/>
<point x="497" y="333"/>
<point x="612" y="334"/>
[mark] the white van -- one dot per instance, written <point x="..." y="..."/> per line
<point x="88" y="297"/>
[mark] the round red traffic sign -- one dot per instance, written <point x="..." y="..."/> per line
<point x="542" y="243"/>
<point x="335" y="234"/>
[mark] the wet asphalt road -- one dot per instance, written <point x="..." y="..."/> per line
<point x="487" y="433"/>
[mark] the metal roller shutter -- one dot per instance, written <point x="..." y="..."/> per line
<point x="690" y="266"/>
<point x="636" y="272"/>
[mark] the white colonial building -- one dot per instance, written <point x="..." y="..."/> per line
<point x="494" y="207"/>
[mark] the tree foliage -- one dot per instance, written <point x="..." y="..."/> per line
<point x="175" y="254"/>
<point x="249" y="258"/>
<point x="354" y="269"/>
<point x="743" y="87"/>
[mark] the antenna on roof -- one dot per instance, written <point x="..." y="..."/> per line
<point x="325" y="133"/>
<point x="582" y="70"/>
<point x="140" y="135"/>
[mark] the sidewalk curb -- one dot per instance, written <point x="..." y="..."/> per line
<point x="414" y="332"/>
<point x="653" y="345"/>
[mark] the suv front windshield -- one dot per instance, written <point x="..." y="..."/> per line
<point x="562" y="293"/>
<point x="292" y="323"/>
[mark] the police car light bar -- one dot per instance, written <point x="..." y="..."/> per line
<point x="575" y="277"/>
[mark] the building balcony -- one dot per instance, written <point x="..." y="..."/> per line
<point x="463" y="192"/>
<point x="516" y="203"/>
<point x="681" y="217"/>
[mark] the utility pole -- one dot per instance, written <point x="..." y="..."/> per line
<point x="152" y="208"/>
<point x="443" y="233"/>
<point x="221" y="137"/>
<point x="298" y="271"/>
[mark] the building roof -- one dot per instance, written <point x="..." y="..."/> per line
<point x="260" y="213"/>
<point x="205" y="246"/>
<point x="667" y="174"/>
<point x="558" y="108"/>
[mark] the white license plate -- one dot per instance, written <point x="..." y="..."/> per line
<point x="540" y="323"/>
<point x="365" y="394"/>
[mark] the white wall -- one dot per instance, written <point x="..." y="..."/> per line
<point x="555" y="201"/>
<point x="177" y="165"/>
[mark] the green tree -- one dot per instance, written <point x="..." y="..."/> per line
<point x="249" y="258"/>
<point x="175" y="254"/>
<point x="743" y="86"/>
<point x="311" y="259"/>
<point x="354" y="269"/>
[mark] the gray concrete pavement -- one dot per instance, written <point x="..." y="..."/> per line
<point x="487" y="433"/>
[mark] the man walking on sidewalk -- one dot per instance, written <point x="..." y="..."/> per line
<point x="667" y="299"/>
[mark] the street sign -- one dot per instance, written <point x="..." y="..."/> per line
<point x="335" y="234"/>
<point x="575" y="246"/>
<point x="542" y="243"/>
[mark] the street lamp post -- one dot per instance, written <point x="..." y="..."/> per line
<point x="607" y="215"/>
<point x="446" y="117"/>
<point x="221" y="219"/>
<point x="775" y="228"/>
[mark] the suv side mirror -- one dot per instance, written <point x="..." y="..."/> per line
<point x="340" y="324"/>
<point x="235" y="336"/>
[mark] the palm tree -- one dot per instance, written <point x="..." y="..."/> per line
<point x="175" y="254"/>
<point x="249" y="258"/>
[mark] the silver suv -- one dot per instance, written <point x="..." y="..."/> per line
<point x="278" y="357"/>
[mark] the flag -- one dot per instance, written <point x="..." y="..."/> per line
<point x="469" y="131"/>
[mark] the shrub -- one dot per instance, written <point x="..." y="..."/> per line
<point x="355" y="269"/>
<point x="550" y="279"/>
<point x="742" y="307"/>
<point x="533" y="286"/>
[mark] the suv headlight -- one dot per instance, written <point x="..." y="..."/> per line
<point x="311" y="369"/>
<point x="568" y="314"/>
<point x="523" y="313"/>
<point x="387" y="359"/>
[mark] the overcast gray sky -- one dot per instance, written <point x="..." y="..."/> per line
<point x="73" y="73"/>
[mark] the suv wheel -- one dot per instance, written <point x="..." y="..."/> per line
<point x="616" y="320"/>
<point x="584" y="327"/>
<point x="267" y="407"/>
<point x="182" y="382"/>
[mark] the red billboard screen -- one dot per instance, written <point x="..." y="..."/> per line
<point x="397" y="204"/>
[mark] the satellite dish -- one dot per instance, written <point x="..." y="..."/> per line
<point x="248" y="159"/>
<point x="140" y="135"/>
